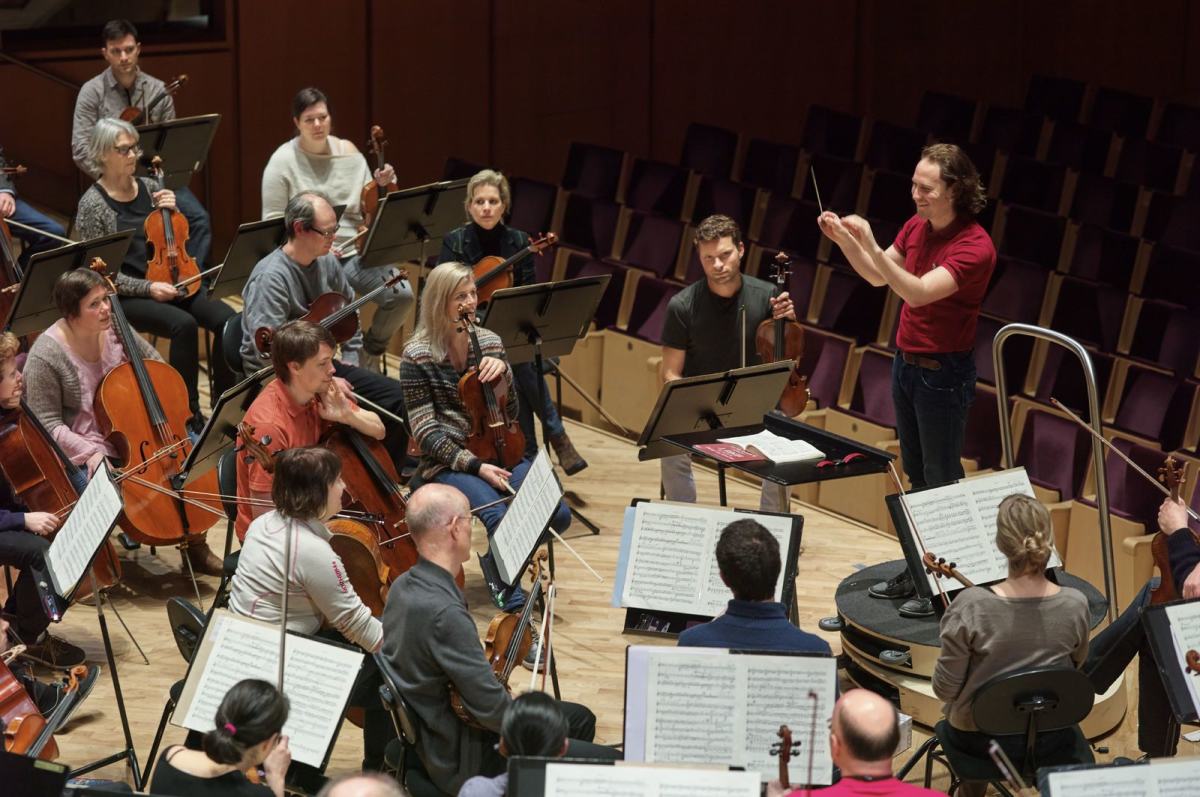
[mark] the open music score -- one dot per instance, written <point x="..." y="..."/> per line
<point x="526" y="518"/>
<point x="83" y="532"/>
<point x="1174" y="777"/>
<point x="582" y="780"/>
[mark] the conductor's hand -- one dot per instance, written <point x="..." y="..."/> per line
<point x="164" y="199"/>
<point x="8" y="204"/>
<point x="496" y="476"/>
<point x="491" y="369"/>
<point x="41" y="523"/>
<point x="385" y="176"/>
<point x="333" y="403"/>
<point x="163" y="292"/>
<point x="1172" y="516"/>
<point x="835" y="229"/>
<point x="782" y="307"/>
<point x="860" y="229"/>
<point x="276" y="765"/>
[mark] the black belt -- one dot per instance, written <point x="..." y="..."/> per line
<point x="923" y="362"/>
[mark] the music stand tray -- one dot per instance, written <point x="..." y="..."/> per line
<point x="251" y="243"/>
<point x="33" y="310"/>
<point x="411" y="218"/>
<point x="181" y="143"/>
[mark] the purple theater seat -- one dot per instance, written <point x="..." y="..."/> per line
<point x="891" y="196"/>
<point x="1180" y="125"/>
<point x="872" y="396"/>
<point x="1057" y="97"/>
<point x="1104" y="256"/>
<point x="610" y="302"/>
<point x="791" y="224"/>
<point x="709" y="150"/>
<point x="1032" y="183"/>
<point x="1017" y="353"/>
<point x="1104" y="202"/>
<point x="1062" y="379"/>
<point x="1150" y="164"/>
<point x="831" y="132"/>
<point x="1055" y="452"/>
<point x="1079" y="147"/>
<point x="1130" y="495"/>
<point x="981" y="438"/>
<point x="1016" y="290"/>
<point x="1167" y="335"/>
<point x="771" y="165"/>
<point x="824" y="363"/>
<point x="532" y="205"/>
<point x="851" y="307"/>
<point x="735" y="200"/>
<point x="590" y="224"/>
<point x="1155" y="406"/>
<point x="838" y="181"/>
<point x="946" y="117"/>
<point x="592" y="170"/>
<point x="1122" y="112"/>
<point x="652" y="243"/>
<point x="460" y="169"/>
<point x="1173" y="220"/>
<point x="1011" y="130"/>
<point x="1172" y="275"/>
<point x="894" y="148"/>
<point x="1089" y="312"/>
<point x="1032" y="235"/>
<point x="649" y="310"/>
<point x="656" y="187"/>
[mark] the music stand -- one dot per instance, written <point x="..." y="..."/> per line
<point x="221" y="429"/>
<point x="251" y="243"/>
<point x="546" y="319"/>
<point x="1170" y="665"/>
<point x="181" y="143"/>
<point x="34" y="309"/>
<point x="409" y="219"/>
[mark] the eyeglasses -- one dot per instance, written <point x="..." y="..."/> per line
<point x="125" y="150"/>
<point x="326" y="234"/>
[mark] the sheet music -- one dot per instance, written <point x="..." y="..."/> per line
<point x="318" y="677"/>
<point x="777" y="448"/>
<point x="1184" y="619"/>
<point x="672" y="561"/>
<point x="592" y="780"/>
<point x="526" y="517"/>
<point x="1164" y="778"/>
<point x="707" y="705"/>
<point x="83" y="532"/>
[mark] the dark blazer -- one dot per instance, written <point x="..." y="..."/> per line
<point x="462" y="245"/>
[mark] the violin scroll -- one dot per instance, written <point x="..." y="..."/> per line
<point x="940" y="568"/>
<point x="255" y="448"/>
<point x="785" y="748"/>
<point x="1192" y="660"/>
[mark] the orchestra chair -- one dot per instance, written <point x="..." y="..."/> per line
<point x="401" y="755"/>
<point x="1150" y="164"/>
<point x="1027" y="703"/>
<point x="657" y="188"/>
<point x="739" y="201"/>
<point x="1122" y="112"/>
<point x="593" y="171"/>
<point x="832" y="132"/>
<point x="893" y="147"/>
<point x="1168" y="268"/>
<point x="1171" y="220"/>
<point x="187" y="626"/>
<point x="1165" y="334"/>
<point x="1030" y="234"/>
<point x="710" y="150"/>
<point x="231" y="348"/>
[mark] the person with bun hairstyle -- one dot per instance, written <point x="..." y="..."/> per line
<point x="533" y="725"/>
<point x="1024" y="621"/>
<point x="248" y="732"/>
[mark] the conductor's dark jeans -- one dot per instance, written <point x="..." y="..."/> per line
<point x="931" y="415"/>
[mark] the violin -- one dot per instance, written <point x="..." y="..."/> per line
<point x="1192" y="660"/>
<point x="507" y="642"/>
<point x="1171" y="475"/>
<point x="142" y="408"/>
<point x="785" y="748"/>
<point x="334" y="312"/>
<point x="166" y="238"/>
<point x="940" y="568"/>
<point x="133" y="114"/>
<point x="782" y="339"/>
<point x="493" y="273"/>
<point x="372" y="192"/>
<point x="494" y="436"/>
<point x="31" y="734"/>
<point x="13" y="171"/>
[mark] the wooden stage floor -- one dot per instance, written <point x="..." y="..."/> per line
<point x="589" y="643"/>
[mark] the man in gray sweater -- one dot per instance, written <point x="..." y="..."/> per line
<point x="430" y="639"/>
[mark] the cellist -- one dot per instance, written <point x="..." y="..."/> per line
<point x="296" y="409"/>
<point x="64" y="369"/>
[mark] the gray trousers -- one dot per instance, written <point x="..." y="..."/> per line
<point x="680" y="485"/>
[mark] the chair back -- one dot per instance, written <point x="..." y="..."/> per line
<point x="231" y="343"/>
<point x="393" y="701"/>
<point x="1046" y="698"/>
<point x="187" y="625"/>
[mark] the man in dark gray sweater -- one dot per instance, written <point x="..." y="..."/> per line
<point x="431" y="641"/>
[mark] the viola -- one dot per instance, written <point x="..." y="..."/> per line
<point x="940" y="568"/>
<point x="133" y="114"/>
<point x="32" y="735"/>
<point x="373" y="192"/>
<point x="1171" y="475"/>
<point x="332" y="311"/>
<point x="783" y="339"/>
<point x="166" y="238"/>
<point x="493" y="273"/>
<point x="142" y="408"/>
<point x="494" y="436"/>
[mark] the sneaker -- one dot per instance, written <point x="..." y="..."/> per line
<point x="568" y="457"/>
<point x="51" y="651"/>
<point x="534" y="651"/>
<point x="195" y="424"/>
<point x="48" y="696"/>
<point x="900" y="586"/>
<point x="917" y="607"/>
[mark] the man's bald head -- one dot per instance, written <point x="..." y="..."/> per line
<point x="431" y="510"/>
<point x="867" y="726"/>
<point x="363" y="785"/>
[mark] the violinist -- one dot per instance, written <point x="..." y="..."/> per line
<point x="284" y="283"/>
<point x="120" y="201"/>
<point x="434" y="359"/>
<point x="20" y="211"/>
<point x="486" y="235"/>
<point x="296" y="409"/>
<point x="24" y="541"/>
<point x="431" y="641"/>
<point x="121" y="86"/>
<point x="317" y="159"/>
<point x="307" y="491"/>
<point x="64" y="369"/>
<point x="702" y="319"/>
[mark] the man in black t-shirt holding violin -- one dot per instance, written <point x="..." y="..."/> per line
<point x="704" y="322"/>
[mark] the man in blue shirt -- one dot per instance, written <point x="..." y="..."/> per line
<point x="749" y="562"/>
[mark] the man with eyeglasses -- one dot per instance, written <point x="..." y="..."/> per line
<point x="286" y="282"/>
<point x="120" y="86"/>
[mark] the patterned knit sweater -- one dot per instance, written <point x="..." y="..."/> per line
<point x="439" y="421"/>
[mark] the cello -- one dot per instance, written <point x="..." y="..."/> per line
<point x="493" y="273"/>
<point x="166" y="238"/>
<point x="26" y="731"/>
<point x="133" y="114"/>
<point x="372" y="192"/>
<point x="142" y="407"/>
<point x="494" y="436"/>
<point x="782" y="339"/>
